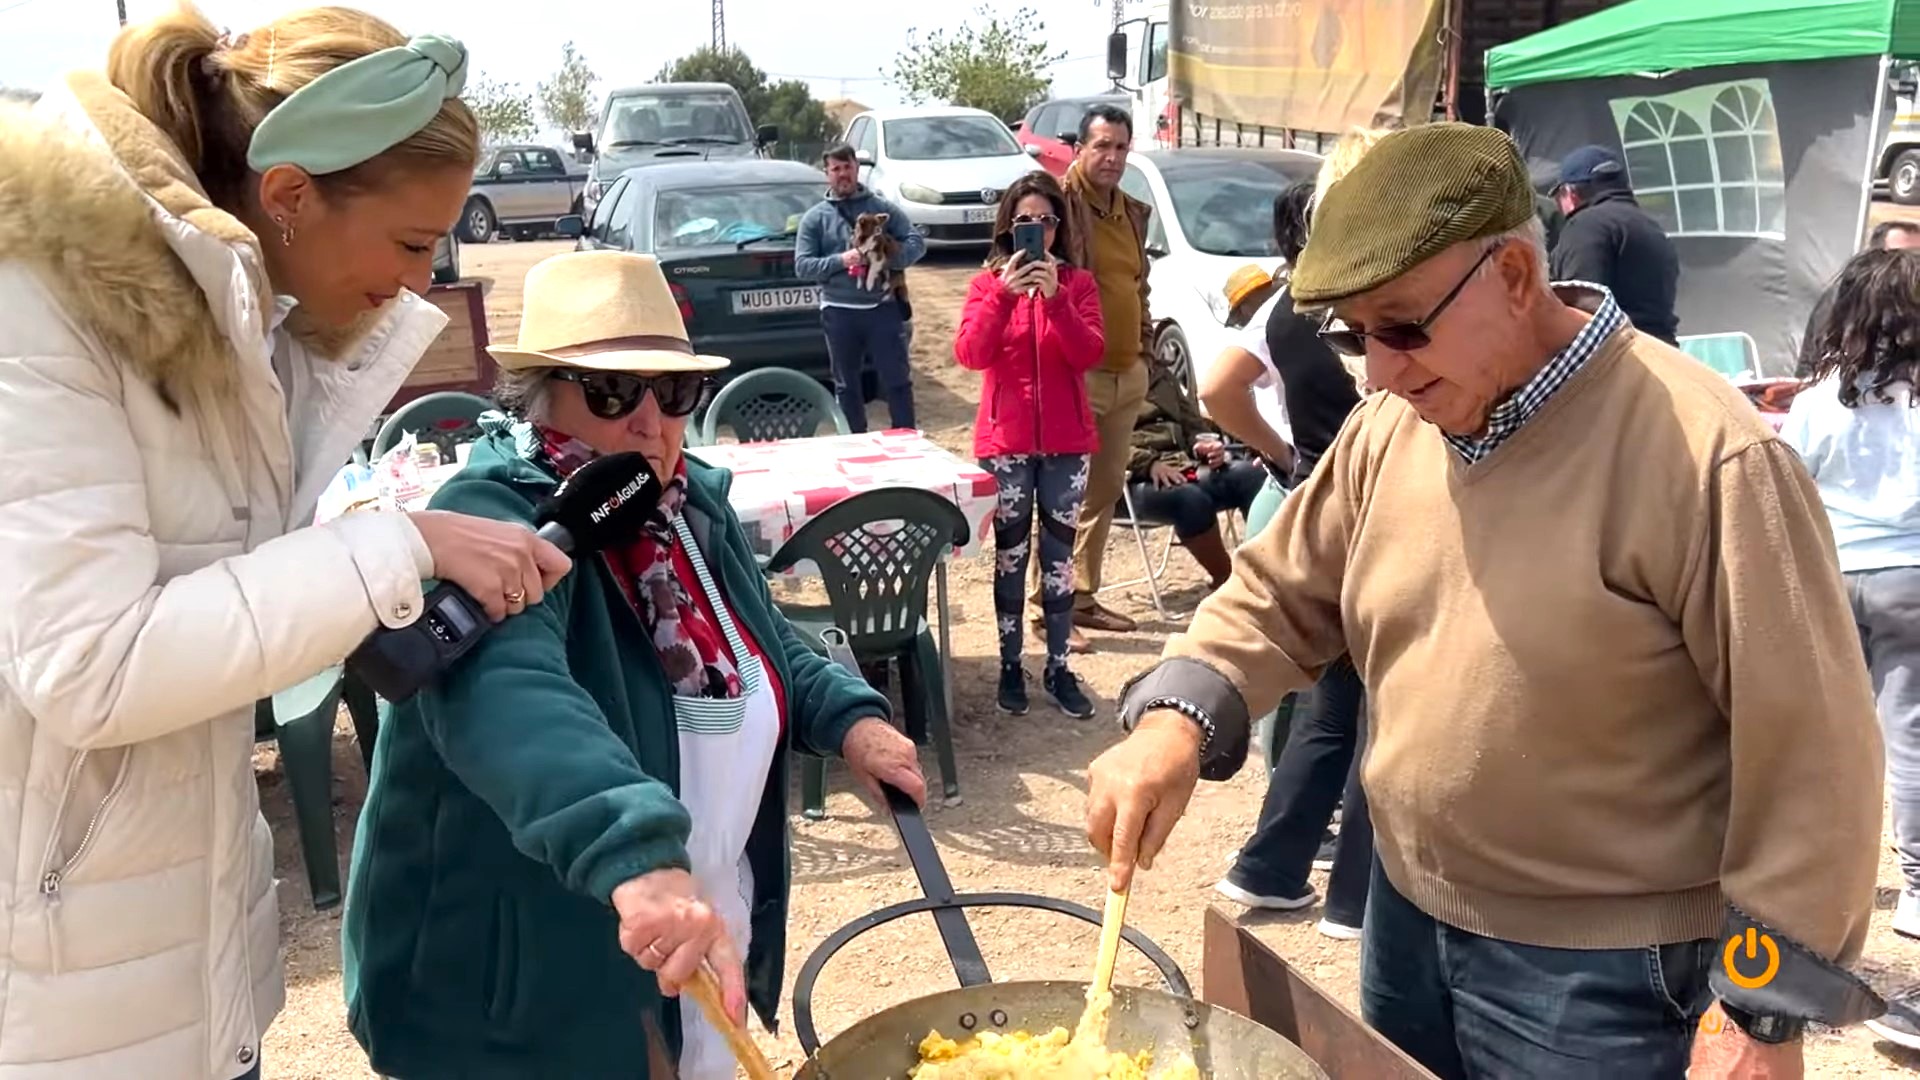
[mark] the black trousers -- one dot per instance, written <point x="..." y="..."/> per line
<point x="1194" y="507"/>
<point x="1320" y="761"/>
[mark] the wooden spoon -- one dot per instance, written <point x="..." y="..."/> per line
<point x="704" y="988"/>
<point x="1093" y="1023"/>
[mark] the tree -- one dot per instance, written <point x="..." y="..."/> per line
<point x="505" y="112"/>
<point x="730" y="66"/>
<point x="1000" y="67"/>
<point x="568" y="101"/>
<point x="788" y="104"/>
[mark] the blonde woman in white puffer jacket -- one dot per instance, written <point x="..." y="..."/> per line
<point x="166" y="431"/>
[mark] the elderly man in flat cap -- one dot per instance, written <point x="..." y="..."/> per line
<point x="1619" y="720"/>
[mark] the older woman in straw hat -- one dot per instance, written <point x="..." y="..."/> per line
<point x="603" y="780"/>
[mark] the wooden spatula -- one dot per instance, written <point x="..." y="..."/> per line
<point x="1093" y="1023"/>
<point x="705" y="990"/>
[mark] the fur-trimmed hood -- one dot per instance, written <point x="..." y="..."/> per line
<point x="99" y="202"/>
<point x="99" y="209"/>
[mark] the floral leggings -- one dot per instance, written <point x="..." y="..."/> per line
<point x="1058" y="482"/>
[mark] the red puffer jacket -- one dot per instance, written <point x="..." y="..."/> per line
<point x="1035" y="354"/>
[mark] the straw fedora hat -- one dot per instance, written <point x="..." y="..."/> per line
<point x="1244" y="282"/>
<point x="601" y="310"/>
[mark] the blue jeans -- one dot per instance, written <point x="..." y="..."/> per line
<point x="1318" y="769"/>
<point x="855" y="334"/>
<point x="1470" y="1006"/>
<point x="1886" y="607"/>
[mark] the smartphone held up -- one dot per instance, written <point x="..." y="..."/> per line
<point x="1030" y="237"/>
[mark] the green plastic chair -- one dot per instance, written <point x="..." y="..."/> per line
<point x="446" y="419"/>
<point x="876" y="552"/>
<point x="1734" y="354"/>
<point x="772" y="403"/>
<point x="300" y="718"/>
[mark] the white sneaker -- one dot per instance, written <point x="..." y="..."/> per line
<point x="1239" y="895"/>
<point x="1340" y="931"/>
<point x="1906" y="914"/>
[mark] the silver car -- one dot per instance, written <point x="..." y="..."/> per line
<point x="446" y="260"/>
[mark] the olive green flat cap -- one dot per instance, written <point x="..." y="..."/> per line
<point x="1415" y="194"/>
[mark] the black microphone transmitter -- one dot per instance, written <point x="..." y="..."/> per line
<point x="605" y="502"/>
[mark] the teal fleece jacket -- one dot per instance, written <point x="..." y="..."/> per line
<point x="507" y="802"/>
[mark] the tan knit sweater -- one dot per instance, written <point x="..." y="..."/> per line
<point x="1614" y="678"/>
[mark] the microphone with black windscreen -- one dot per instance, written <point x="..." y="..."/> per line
<point x="604" y="503"/>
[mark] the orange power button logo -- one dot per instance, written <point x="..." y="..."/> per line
<point x="1754" y="943"/>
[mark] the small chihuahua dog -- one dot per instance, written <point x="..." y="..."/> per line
<point x="876" y="248"/>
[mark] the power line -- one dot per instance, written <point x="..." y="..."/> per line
<point x="883" y="78"/>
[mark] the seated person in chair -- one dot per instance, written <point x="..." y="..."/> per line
<point x="1181" y="473"/>
<point x="593" y="803"/>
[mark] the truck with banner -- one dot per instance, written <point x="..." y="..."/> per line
<point x="1276" y="72"/>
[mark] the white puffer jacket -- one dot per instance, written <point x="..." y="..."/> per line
<point x="154" y="584"/>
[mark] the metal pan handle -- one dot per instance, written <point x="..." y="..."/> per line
<point x="962" y="950"/>
<point x="968" y="965"/>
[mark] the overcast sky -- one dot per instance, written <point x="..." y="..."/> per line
<point x="838" y="48"/>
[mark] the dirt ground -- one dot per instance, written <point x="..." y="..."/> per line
<point x="1017" y="829"/>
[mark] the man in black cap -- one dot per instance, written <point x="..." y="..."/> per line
<point x="1608" y="240"/>
<point x="1623" y="778"/>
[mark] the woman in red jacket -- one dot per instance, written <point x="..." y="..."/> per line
<point x="1034" y="329"/>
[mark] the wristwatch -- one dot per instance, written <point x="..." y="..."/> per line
<point x="1765" y="1027"/>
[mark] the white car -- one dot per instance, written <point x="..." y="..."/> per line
<point x="945" y="167"/>
<point x="1212" y="213"/>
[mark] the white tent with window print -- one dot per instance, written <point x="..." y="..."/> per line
<point x="1748" y="128"/>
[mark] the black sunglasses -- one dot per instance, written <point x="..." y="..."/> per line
<point x="611" y="395"/>
<point x="1401" y="337"/>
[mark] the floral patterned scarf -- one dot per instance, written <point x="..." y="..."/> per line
<point x="691" y="647"/>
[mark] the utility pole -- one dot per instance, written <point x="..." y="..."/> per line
<point x="122" y="5"/>
<point x="719" y="25"/>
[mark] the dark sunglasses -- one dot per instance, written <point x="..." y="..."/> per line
<point x="1035" y="219"/>
<point x="1402" y="337"/>
<point x="611" y="395"/>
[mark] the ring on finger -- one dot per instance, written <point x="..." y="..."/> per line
<point x="517" y="596"/>
<point x="653" y="950"/>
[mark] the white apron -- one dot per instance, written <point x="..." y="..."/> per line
<point x="726" y="749"/>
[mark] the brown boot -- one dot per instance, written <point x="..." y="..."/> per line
<point x="1076" y="641"/>
<point x="1209" y="549"/>
<point x="1095" y="617"/>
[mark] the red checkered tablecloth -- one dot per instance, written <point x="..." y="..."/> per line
<point x="780" y="486"/>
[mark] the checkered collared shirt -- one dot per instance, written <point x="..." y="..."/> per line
<point x="1521" y="405"/>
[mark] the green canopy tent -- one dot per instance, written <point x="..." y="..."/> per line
<point x="1683" y="35"/>
<point x="1750" y="128"/>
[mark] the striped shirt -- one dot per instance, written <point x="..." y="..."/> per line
<point x="1521" y="405"/>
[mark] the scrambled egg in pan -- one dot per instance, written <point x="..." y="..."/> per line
<point x="1022" y="1056"/>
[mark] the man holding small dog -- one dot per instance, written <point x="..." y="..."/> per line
<point x="862" y="317"/>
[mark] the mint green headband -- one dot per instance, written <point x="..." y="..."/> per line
<point x="361" y="109"/>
